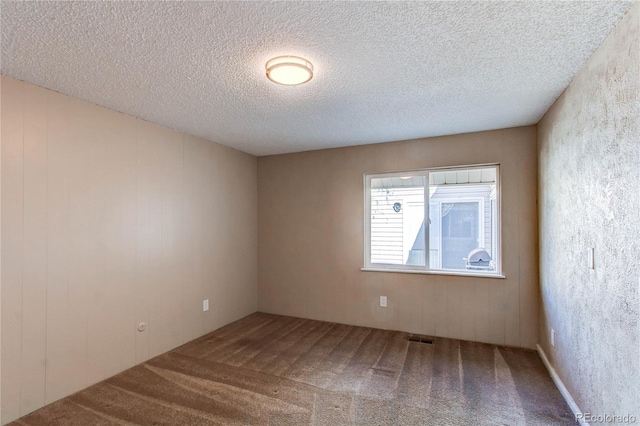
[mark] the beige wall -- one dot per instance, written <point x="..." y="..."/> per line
<point x="310" y="242"/>
<point x="108" y="220"/>
<point x="589" y="168"/>
<point x="0" y="255"/>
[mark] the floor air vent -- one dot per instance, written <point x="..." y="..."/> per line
<point x="420" y="339"/>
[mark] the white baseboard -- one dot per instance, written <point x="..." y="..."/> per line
<point x="561" y="387"/>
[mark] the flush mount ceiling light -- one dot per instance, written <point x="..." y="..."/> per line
<point x="289" y="70"/>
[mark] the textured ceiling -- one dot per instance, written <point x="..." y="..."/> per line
<point x="384" y="71"/>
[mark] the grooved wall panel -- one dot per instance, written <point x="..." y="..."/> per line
<point x="107" y="221"/>
<point x="311" y="236"/>
<point x="12" y="246"/>
<point x="34" y="262"/>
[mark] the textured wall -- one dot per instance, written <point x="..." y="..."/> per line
<point x="589" y="194"/>
<point x="108" y="220"/>
<point x="310" y="242"/>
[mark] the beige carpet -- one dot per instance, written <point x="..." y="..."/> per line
<point x="274" y="370"/>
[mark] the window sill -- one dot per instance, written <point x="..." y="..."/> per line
<point x="450" y="273"/>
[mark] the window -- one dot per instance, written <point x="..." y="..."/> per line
<point x="434" y="220"/>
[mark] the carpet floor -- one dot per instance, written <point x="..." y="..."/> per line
<point x="275" y="370"/>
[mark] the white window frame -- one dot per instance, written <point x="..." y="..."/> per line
<point x="383" y="267"/>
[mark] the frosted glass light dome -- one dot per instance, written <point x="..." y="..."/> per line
<point x="289" y="70"/>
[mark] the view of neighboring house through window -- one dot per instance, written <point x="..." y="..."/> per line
<point x="436" y="219"/>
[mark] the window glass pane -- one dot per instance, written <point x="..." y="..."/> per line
<point x="397" y="220"/>
<point x="462" y="219"/>
<point x="460" y="233"/>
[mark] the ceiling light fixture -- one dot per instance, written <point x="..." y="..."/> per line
<point x="289" y="70"/>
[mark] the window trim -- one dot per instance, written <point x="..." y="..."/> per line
<point x="418" y="269"/>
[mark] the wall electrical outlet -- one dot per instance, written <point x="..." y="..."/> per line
<point x="383" y="301"/>
<point x="553" y="338"/>
<point x="205" y="305"/>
